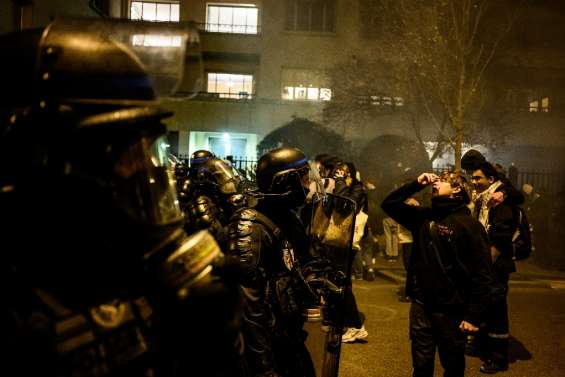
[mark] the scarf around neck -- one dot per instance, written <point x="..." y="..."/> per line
<point x="483" y="203"/>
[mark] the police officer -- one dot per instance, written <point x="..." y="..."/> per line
<point x="197" y="159"/>
<point x="271" y="243"/>
<point x="103" y="280"/>
<point x="216" y="199"/>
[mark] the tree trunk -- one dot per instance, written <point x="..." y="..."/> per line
<point x="458" y="144"/>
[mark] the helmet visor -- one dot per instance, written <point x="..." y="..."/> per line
<point x="160" y="49"/>
<point x="227" y="180"/>
<point x="287" y="179"/>
<point x="144" y="183"/>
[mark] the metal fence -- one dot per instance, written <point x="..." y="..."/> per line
<point x="543" y="182"/>
<point x="237" y="161"/>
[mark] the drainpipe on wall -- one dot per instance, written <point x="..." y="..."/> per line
<point x="94" y="6"/>
<point x="22" y="4"/>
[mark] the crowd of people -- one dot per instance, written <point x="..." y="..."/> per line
<point x="154" y="270"/>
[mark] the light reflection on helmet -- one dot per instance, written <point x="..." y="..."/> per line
<point x="284" y="171"/>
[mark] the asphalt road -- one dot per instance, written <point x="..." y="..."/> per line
<point x="537" y="316"/>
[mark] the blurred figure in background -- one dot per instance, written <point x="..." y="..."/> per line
<point x="347" y="185"/>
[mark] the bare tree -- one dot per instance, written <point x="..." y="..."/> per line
<point x="437" y="52"/>
<point x="371" y="88"/>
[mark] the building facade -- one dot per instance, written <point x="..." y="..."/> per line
<point x="265" y="62"/>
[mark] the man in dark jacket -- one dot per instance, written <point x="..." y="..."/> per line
<point x="500" y="220"/>
<point x="450" y="278"/>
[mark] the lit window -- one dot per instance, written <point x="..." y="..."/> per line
<point x="381" y="101"/>
<point x="304" y="84"/>
<point x="228" y="85"/>
<point x="545" y="105"/>
<point x="233" y="18"/>
<point x="539" y="105"/>
<point x="155" y="11"/>
<point x="310" y="16"/>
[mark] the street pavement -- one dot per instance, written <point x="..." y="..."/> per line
<point x="537" y="321"/>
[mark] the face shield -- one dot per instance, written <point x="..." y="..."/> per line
<point x="226" y="179"/>
<point x="143" y="183"/>
<point x="295" y="181"/>
<point x="102" y="61"/>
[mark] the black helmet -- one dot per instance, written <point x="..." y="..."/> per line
<point x="284" y="171"/>
<point x="218" y="174"/>
<point x="85" y="123"/>
<point x="197" y="159"/>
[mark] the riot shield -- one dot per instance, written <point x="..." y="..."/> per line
<point x="331" y="233"/>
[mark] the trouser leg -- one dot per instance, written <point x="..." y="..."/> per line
<point x="498" y="327"/>
<point x="422" y="342"/>
<point x="353" y="317"/>
<point x="391" y="237"/>
<point x="357" y="268"/>
<point x="406" y="248"/>
<point x="451" y="344"/>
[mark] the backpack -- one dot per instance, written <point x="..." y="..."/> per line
<point x="522" y="238"/>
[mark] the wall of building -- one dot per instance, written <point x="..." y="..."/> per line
<point x="9" y="17"/>
<point x="533" y="60"/>
<point x="265" y="56"/>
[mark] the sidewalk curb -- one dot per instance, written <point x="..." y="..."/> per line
<point x="389" y="275"/>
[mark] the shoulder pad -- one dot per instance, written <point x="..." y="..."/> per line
<point x="254" y="216"/>
<point x="248" y="214"/>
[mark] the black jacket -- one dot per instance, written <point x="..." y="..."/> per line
<point x="269" y="242"/>
<point x="450" y="267"/>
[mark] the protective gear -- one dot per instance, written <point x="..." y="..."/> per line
<point x="92" y="121"/>
<point x="181" y="170"/>
<point x="184" y="184"/>
<point x="106" y="223"/>
<point x="274" y="293"/>
<point x="217" y="175"/>
<point x="216" y="198"/>
<point x="202" y="213"/>
<point x="271" y="243"/>
<point x="331" y="234"/>
<point x="184" y="189"/>
<point x="197" y="159"/>
<point x="284" y="172"/>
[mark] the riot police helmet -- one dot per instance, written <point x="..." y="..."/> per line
<point x="219" y="175"/>
<point x="284" y="172"/>
<point x="84" y="120"/>
<point x="197" y="159"/>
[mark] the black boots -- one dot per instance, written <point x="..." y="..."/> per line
<point x="491" y="367"/>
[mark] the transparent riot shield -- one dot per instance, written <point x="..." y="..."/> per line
<point x="331" y="232"/>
